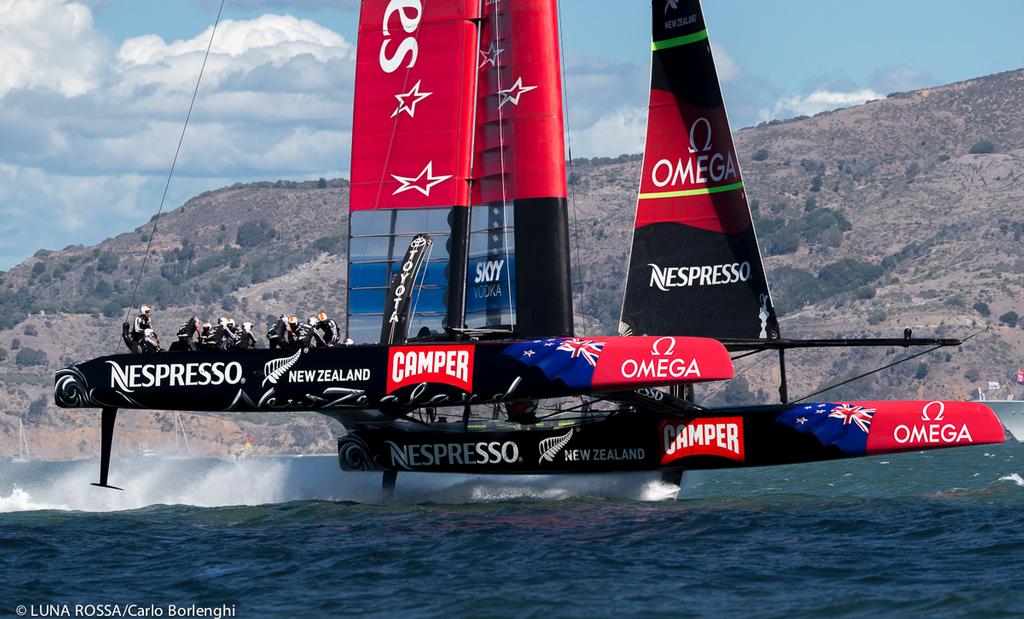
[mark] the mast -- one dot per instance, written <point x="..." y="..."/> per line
<point x="695" y="267"/>
<point x="519" y="268"/>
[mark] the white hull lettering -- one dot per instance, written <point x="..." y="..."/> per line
<point x="666" y="368"/>
<point x="633" y="454"/>
<point x="328" y="376"/>
<point x="130" y="377"/>
<point x="932" y="434"/>
<point x="449" y="454"/>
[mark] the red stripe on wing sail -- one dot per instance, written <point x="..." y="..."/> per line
<point x="520" y="104"/>
<point x="413" y="121"/>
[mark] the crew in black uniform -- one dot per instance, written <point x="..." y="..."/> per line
<point x="150" y="342"/>
<point x="137" y="334"/>
<point x="189" y="334"/>
<point x="328" y="330"/>
<point x="277" y="336"/>
<point x="246" y="340"/>
<point x="308" y="337"/>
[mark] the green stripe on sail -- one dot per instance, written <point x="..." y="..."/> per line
<point x="690" y="192"/>
<point x="677" y="41"/>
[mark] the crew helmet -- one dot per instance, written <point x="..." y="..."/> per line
<point x="293" y="320"/>
<point x="247" y="326"/>
<point x="231" y="322"/>
<point x="145" y="309"/>
<point x="312" y="321"/>
<point x="222" y="321"/>
<point x="322" y="315"/>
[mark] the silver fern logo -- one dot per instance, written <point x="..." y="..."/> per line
<point x="550" y="447"/>
<point x="275" y="369"/>
<point x="671" y="4"/>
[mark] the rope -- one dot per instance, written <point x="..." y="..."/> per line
<point x="580" y="274"/>
<point x="174" y="162"/>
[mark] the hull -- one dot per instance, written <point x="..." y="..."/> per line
<point x="391" y="379"/>
<point x="647" y="441"/>
<point x="1011" y="413"/>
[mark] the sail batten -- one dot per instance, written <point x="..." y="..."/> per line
<point x="695" y="267"/>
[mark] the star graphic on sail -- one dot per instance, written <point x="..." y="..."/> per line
<point x="423" y="182"/>
<point x="407" y="101"/>
<point x="490" y="55"/>
<point x="512" y="94"/>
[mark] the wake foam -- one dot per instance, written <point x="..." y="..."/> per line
<point x="1014" y="477"/>
<point x="260" y="481"/>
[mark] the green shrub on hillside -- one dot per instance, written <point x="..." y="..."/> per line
<point x="1010" y="318"/>
<point x="30" y="356"/>
<point x="983" y="147"/>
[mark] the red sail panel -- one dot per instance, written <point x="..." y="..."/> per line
<point x="520" y="151"/>
<point x="413" y="119"/>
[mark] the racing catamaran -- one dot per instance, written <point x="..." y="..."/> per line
<point x="459" y="235"/>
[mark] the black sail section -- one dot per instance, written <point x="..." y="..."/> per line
<point x="695" y="267"/>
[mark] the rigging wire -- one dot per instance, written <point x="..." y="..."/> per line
<point x="724" y="384"/>
<point x="174" y="162"/>
<point x="581" y="275"/>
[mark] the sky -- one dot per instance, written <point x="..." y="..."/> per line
<point x="93" y="93"/>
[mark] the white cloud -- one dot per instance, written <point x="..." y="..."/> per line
<point x="819" y="101"/>
<point x="728" y="70"/>
<point x="618" y="132"/>
<point x="49" y="44"/>
<point x="90" y="129"/>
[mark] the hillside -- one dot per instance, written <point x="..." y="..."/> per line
<point x="872" y="219"/>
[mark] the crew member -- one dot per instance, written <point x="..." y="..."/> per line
<point x="522" y="412"/>
<point x="150" y="342"/>
<point x="308" y="337"/>
<point x="220" y="337"/>
<point x="277" y="336"/>
<point x="246" y="340"/>
<point x="140" y="325"/>
<point x="328" y="329"/>
<point x="188" y="334"/>
<point x="233" y="333"/>
<point x="292" y="336"/>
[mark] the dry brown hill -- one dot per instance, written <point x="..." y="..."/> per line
<point x="897" y="213"/>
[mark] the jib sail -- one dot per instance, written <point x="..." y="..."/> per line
<point x="518" y="273"/>
<point x="694" y="267"/>
<point x="411" y="155"/>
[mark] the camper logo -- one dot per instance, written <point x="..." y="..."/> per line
<point x="550" y="447"/>
<point x="717" y="436"/>
<point x="448" y="365"/>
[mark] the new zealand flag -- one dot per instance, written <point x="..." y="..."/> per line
<point x="844" y="425"/>
<point x="571" y="360"/>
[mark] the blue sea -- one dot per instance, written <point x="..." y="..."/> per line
<point x="932" y="534"/>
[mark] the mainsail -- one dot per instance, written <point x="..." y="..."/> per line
<point x="458" y="134"/>
<point x="694" y="266"/>
<point x="411" y="155"/>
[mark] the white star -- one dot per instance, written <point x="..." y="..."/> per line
<point x="413" y="182"/>
<point x="490" y="55"/>
<point x="512" y="94"/>
<point x="409" y="107"/>
<point x="801" y="420"/>
<point x="528" y="353"/>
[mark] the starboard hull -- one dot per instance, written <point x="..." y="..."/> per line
<point x="646" y="441"/>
